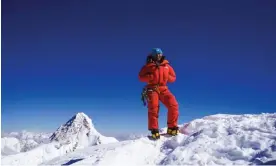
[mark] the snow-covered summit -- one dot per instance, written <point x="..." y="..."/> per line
<point x="79" y="131"/>
<point x="78" y="124"/>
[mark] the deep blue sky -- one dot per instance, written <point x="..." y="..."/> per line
<point x="64" y="57"/>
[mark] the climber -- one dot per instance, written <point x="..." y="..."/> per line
<point x="156" y="73"/>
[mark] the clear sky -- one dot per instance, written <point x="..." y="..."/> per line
<point x="64" y="57"/>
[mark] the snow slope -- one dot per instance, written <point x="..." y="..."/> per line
<point x="76" y="133"/>
<point x="213" y="140"/>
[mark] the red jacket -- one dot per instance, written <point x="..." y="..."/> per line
<point x="153" y="75"/>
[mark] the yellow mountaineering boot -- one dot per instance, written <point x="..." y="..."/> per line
<point x="173" y="131"/>
<point x="155" y="134"/>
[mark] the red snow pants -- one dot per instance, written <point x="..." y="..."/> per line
<point x="170" y="102"/>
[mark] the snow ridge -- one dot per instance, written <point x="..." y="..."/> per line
<point x="79" y="132"/>
<point x="78" y="124"/>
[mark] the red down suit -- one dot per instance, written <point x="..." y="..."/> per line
<point x="157" y="78"/>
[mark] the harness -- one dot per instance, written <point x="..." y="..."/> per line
<point x="144" y="94"/>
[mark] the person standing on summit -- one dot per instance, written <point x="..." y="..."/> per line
<point x="157" y="72"/>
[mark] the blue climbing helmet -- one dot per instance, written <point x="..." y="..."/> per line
<point x="156" y="51"/>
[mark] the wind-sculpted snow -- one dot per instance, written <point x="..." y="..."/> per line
<point x="212" y="140"/>
<point x="227" y="139"/>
